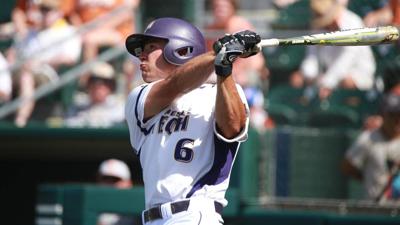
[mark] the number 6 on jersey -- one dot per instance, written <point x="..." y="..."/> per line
<point x="182" y="152"/>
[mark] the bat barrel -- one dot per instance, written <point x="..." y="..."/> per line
<point x="383" y="35"/>
<point x="352" y="37"/>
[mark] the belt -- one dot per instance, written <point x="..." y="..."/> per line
<point x="176" y="207"/>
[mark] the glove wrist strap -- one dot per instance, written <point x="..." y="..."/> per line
<point x="223" y="71"/>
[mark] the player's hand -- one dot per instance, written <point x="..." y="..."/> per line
<point x="222" y="65"/>
<point x="232" y="48"/>
<point x="250" y="40"/>
<point x="228" y="49"/>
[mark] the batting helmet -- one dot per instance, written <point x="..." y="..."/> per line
<point x="185" y="41"/>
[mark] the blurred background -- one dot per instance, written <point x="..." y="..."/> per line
<point x="65" y="74"/>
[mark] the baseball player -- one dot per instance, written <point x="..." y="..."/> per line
<point x="186" y="131"/>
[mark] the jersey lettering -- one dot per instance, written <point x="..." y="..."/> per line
<point x="173" y="121"/>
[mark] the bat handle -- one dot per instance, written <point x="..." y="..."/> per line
<point x="268" y="43"/>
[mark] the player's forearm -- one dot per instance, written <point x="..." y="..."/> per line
<point x="191" y="75"/>
<point x="182" y="80"/>
<point x="229" y="108"/>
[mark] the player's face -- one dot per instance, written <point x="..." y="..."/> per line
<point x="153" y="65"/>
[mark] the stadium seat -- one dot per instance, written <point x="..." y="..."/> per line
<point x="173" y="8"/>
<point x="282" y="114"/>
<point x="362" y="7"/>
<point x="282" y="62"/>
<point x="295" y="16"/>
<point x="288" y="105"/>
<point x="344" y="108"/>
<point x="334" y="116"/>
<point x="5" y="17"/>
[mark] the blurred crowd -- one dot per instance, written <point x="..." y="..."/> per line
<point x="49" y="37"/>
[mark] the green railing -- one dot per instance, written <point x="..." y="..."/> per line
<point x="79" y="204"/>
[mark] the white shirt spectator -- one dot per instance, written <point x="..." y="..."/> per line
<point x="369" y="154"/>
<point x="333" y="63"/>
<point x="5" y="80"/>
<point x="55" y="42"/>
<point x="103" y="115"/>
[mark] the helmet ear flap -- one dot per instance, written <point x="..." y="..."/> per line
<point x="184" y="51"/>
<point x="180" y="51"/>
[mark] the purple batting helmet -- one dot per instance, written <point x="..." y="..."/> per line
<point x="181" y="36"/>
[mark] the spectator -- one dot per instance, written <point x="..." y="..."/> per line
<point x="383" y="15"/>
<point x="112" y="32"/>
<point x="375" y="151"/>
<point x="226" y="20"/>
<point x="101" y="108"/>
<point x="248" y="72"/>
<point x="27" y="15"/>
<point x="351" y="67"/>
<point x="5" y="80"/>
<point x="48" y="44"/>
<point x="391" y="83"/>
<point x="395" y="8"/>
<point x="391" y="79"/>
<point x="283" y="3"/>
<point x="114" y="173"/>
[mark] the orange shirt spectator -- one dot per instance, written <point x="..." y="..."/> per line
<point x="27" y="13"/>
<point x="395" y="7"/>
<point x="88" y="10"/>
<point x="227" y="21"/>
<point x="109" y="33"/>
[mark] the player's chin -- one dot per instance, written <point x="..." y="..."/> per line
<point x="146" y="77"/>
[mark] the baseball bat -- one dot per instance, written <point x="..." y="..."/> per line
<point x="359" y="36"/>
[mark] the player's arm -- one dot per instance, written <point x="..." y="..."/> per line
<point x="229" y="109"/>
<point x="183" y="79"/>
<point x="230" y="112"/>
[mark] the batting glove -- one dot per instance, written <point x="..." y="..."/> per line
<point x="250" y="40"/>
<point x="228" y="49"/>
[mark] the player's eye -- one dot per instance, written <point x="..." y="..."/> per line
<point x="150" y="47"/>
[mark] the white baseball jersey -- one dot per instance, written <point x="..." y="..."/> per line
<point x="181" y="153"/>
<point x="370" y="153"/>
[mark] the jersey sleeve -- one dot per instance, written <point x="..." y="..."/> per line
<point x="356" y="154"/>
<point x="242" y="136"/>
<point x="134" y="113"/>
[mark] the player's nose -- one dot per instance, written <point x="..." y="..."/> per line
<point x="143" y="56"/>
